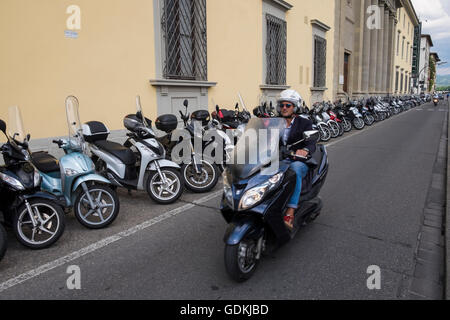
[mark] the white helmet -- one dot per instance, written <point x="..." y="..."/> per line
<point x="291" y="96"/>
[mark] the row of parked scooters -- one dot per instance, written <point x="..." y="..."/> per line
<point x="334" y="119"/>
<point x="37" y="189"/>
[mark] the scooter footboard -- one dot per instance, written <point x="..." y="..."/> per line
<point x="242" y="227"/>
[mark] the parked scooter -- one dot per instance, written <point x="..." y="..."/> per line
<point x="256" y="193"/>
<point x="200" y="174"/>
<point x="355" y="116"/>
<point x="36" y="218"/>
<point x="73" y="177"/>
<point x="140" y="163"/>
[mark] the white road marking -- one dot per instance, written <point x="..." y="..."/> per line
<point x="102" y="243"/>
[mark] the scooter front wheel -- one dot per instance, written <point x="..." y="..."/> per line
<point x="164" y="192"/>
<point x="202" y="181"/>
<point x="3" y="242"/>
<point x="101" y="212"/>
<point x="325" y="133"/>
<point x="40" y="228"/>
<point x="240" y="260"/>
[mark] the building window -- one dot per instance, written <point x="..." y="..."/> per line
<point x="320" y="61"/>
<point x="184" y="32"/>
<point x="276" y="50"/>
<point x="403" y="47"/>
<point x="398" y="42"/>
<point x="396" y="81"/>
<point x="401" y="82"/>
<point x="407" y="52"/>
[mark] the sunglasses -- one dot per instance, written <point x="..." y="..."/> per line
<point x="286" y="105"/>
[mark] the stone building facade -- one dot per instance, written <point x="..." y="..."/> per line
<point x="365" y="44"/>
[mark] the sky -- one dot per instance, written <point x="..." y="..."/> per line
<point x="435" y="17"/>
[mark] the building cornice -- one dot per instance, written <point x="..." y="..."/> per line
<point x="320" y="25"/>
<point x="407" y="4"/>
<point x="285" y="5"/>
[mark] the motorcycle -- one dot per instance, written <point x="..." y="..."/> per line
<point x="36" y="217"/>
<point x="200" y="174"/>
<point x="435" y="101"/>
<point x="138" y="164"/>
<point x="73" y="179"/>
<point x="256" y="193"/>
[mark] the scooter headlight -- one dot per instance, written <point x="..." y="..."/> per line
<point x="37" y="178"/>
<point x="227" y="191"/>
<point x="70" y="172"/>
<point x="254" y="196"/>
<point x="16" y="184"/>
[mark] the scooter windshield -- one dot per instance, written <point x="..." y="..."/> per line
<point x="73" y="120"/>
<point x="258" y="148"/>
<point x="15" y="125"/>
<point x="140" y="112"/>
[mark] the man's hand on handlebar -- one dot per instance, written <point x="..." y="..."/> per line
<point x="300" y="155"/>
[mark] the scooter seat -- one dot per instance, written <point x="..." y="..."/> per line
<point x="119" y="151"/>
<point x="45" y="162"/>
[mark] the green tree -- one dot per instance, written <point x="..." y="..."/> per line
<point x="432" y="73"/>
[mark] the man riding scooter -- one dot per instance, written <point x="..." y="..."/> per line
<point x="288" y="105"/>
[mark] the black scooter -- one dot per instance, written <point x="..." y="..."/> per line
<point x="256" y="194"/>
<point x="36" y="217"/>
<point x="200" y="174"/>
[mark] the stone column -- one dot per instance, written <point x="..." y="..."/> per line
<point x="380" y="50"/>
<point x="384" y="80"/>
<point x="366" y="50"/>
<point x="373" y="57"/>
<point x="358" y="49"/>
<point x="391" y="52"/>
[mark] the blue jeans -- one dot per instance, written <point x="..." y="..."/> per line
<point x="301" y="171"/>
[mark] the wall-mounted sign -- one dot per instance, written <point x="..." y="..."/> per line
<point x="71" y="34"/>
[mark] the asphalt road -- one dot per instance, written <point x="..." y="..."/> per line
<point x="373" y="205"/>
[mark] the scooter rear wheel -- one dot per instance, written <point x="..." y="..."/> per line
<point x="3" y="242"/>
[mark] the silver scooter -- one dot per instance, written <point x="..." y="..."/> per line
<point x="140" y="163"/>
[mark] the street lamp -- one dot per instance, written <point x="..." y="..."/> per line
<point x="440" y="63"/>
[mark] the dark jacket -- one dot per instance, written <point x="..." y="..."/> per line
<point x="301" y="125"/>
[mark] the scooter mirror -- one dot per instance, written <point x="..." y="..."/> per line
<point x="312" y="135"/>
<point x="3" y="126"/>
<point x="28" y="137"/>
<point x="185" y="103"/>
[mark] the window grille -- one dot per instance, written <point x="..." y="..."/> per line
<point x="276" y="50"/>
<point x="184" y="32"/>
<point x="320" y="61"/>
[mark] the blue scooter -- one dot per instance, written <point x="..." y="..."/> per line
<point x="73" y="178"/>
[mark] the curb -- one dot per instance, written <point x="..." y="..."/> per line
<point x="429" y="281"/>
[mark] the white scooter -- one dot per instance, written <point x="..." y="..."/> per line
<point x="140" y="163"/>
